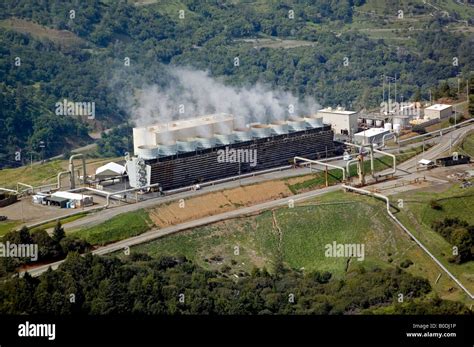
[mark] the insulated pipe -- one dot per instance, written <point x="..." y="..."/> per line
<point x="126" y="191"/>
<point x="371" y="151"/>
<point x="385" y="136"/>
<point x="59" y="178"/>
<point x="71" y="168"/>
<point x="348" y="166"/>
<point x="381" y="152"/>
<point x="323" y="164"/>
<point x="383" y="197"/>
<point x="394" y="162"/>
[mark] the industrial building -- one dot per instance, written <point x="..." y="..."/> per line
<point x="63" y="199"/>
<point x="186" y="152"/>
<point x="342" y="121"/>
<point x="438" y="111"/>
<point x="372" y="135"/>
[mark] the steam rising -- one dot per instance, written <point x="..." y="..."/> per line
<point x="191" y="93"/>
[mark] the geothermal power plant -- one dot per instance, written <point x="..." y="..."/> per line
<point x="186" y="152"/>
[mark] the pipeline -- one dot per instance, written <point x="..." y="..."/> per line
<point x="323" y="164"/>
<point x="71" y="168"/>
<point x="383" y="197"/>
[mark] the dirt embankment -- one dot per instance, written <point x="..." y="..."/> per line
<point x="218" y="202"/>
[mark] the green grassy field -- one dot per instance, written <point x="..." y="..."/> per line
<point x="117" y="228"/>
<point x="7" y="226"/>
<point x="467" y="147"/>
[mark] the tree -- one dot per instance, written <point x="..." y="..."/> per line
<point x="58" y="232"/>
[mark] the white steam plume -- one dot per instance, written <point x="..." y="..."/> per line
<point x="198" y="94"/>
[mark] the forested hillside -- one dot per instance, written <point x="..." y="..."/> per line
<point x="331" y="51"/>
<point x="142" y="285"/>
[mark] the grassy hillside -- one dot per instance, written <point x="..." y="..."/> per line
<point x="305" y="230"/>
<point x="418" y="216"/>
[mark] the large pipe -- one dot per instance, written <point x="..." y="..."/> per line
<point x="59" y="178"/>
<point x="323" y="164"/>
<point x="71" y="168"/>
<point x="385" y="136"/>
<point x="126" y="191"/>
<point x="348" y="166"/>
<point x="383" y="197"/>
<point x="394" y="169"/>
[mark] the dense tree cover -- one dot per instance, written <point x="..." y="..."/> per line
<point x="49" y="248"/>
<point x="206" y="38"/>
<point x="117" y="142"/>
<point x="460" y="234"/>
<point x="142" y="285"/>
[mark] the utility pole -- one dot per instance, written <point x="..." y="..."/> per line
<point x="42" y="146"/>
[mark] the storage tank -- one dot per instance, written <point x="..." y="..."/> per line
<point x="261" y="131"/>
<point x="148" y="152"/>
<point x="370" y="122"/>
<point x="189" y="145"/>
<point x="378" y="123"/>
<point x="397" y="128"/>
<point x="297" y="124"/>
<point x="314" y="122"/>
<point x="279" y="127"/>
<point x="242" y="134"/>
<point x="387" y="126"/>
<point x="225" y="139"/>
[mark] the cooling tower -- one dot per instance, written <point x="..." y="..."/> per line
<point x="147" y="152"/>
<point x="260" y="131"/>
<point x="279" y="127"/>
<point x="167" y="149"/>
<point x="242" y="134"/>
<point x="297" y="124"/>
<point x="205" y="142"/>
<point x="186" y="146"/>
<point x="225" y="139"/>
<point x="314" y="121"/>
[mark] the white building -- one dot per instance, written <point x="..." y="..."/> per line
<point x="438" y="111"/>
<point x="372" y="135"/>
<point x="76" y="199"/>
<point x="342" y="121"/>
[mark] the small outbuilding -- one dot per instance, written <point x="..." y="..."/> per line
<point x="109" y="170"/>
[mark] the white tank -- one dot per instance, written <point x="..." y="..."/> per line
<point x="387" y="126"/>
<point x="370" y="122"/>
<point x="397" y="128"/>
<point x="148" y="152"/>
<point x="279" y="127"/>
<point x="378" y="123"/>
<point x="225" y="139"/>
<point x="297" y="124"/>
<point x="242" y="135"/>
<point x="260" y="131"/>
